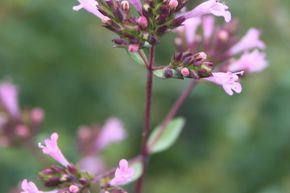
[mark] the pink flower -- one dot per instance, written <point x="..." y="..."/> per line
<point x="137" y="4"/>
<point x="228" y="80"/>
<point x="112" y="132"/>
<point x="123" y="174"/>
<point x="133" y="47"/>
<point x="210" y="7"/>
<point x="189" y="28"/>
<point x="92" y="164"/>
<point x="249" y="41"/>
<point x="250" y="62"/>
<point x="30" y="187"/>
<point x="9" y="98"/>
<point x="208" y="26"/>
<point x="51" y="148"/>
<point x="142" y="21"/>
<point x="91" y="6"/>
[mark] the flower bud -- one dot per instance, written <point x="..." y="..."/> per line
<point x="168" y="73"/>
<point x="223" y="35"/>
<point x="74" y="189"/>
<point x="185" y="72"/>
<point x="173" y="4"/>
<point x="199" y="58"/>
<point x="22" y="131"/>
<point x="37" y="115"/>
<point x="125" y="5"/>
<point x="142" y="22"/>
<point x="133" y="47"/>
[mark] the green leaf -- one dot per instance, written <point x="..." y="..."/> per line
<point x="137" y="166"/>
<point x="159" y="73"/>
<point x="136" y="57"/>
<point x="167" y="138"/>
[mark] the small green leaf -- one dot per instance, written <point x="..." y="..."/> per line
<point x="159" y="73"/>
<point x="136" y="57"/>
<point x="137" y="166"/>
<point x="167" y="138"/>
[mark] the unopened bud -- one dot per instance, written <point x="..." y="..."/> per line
<point x="22" y="131"/>
<point x="125" y="5"/>
<point x="168" y="73"/>
<point x="37" y="115"/>
<point x="199" y="58"/>
<point x="178" y="21"/>
<point x="142" y="22"/>
<point x="173" y="4"/>
<point x="185" y="72"/>
<point x="133" y="47"/>
<point x="74" y="189"/>
<point x="223" y="35"/>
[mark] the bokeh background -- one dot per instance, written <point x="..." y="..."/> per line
<point x="64" y="62"/>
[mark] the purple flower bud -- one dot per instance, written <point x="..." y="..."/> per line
<point x="168" y="72"/>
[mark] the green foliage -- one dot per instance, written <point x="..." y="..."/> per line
<point x="168" y="136"/>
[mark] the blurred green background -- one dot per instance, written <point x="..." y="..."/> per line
<point x="64" y="62"/>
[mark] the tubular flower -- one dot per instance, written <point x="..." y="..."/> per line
<point x="51" y="148"/>
<point x="250" y="62"/>
<point x="249" y="41"/>
<point x="90" y="6"/>
<point x="9" y="98"/>
<point x="210" y="7"/>
<point x="123" y="174"/>
<point x="30" y="187"/>
<point x="228" y="80"/>
<point x="189" y="27"/>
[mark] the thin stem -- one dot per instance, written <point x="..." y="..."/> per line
<point x="144" y="58"/>
<point x="174" y="109"/>
<point x="147" y="120"/>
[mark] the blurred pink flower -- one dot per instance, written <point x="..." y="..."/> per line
<point x="228" y="80"/>
<point x="210" y="7"/>
<point x="112" y="132"/>
<point x="9" y="98"/>
<point x="51" y="148"/>
<point x="133" y="47"/>
<point x="189" y="28"/>
<point x="250" y="62"/>
<point x="30" y="187"/>
<point x="92" y="164"/>
<point x="123" y="174"/>
<point x="208" y="26"/>
<point x="37" y="115"/>
<point x="91" y="6"/>
<point x="249" y="41"/>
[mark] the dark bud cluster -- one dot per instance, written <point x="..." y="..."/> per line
<point x="147" y="25"/>
<point x="187" y="65"/>
<point x="19" y="130"/>
<point x="64" y="178"/>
